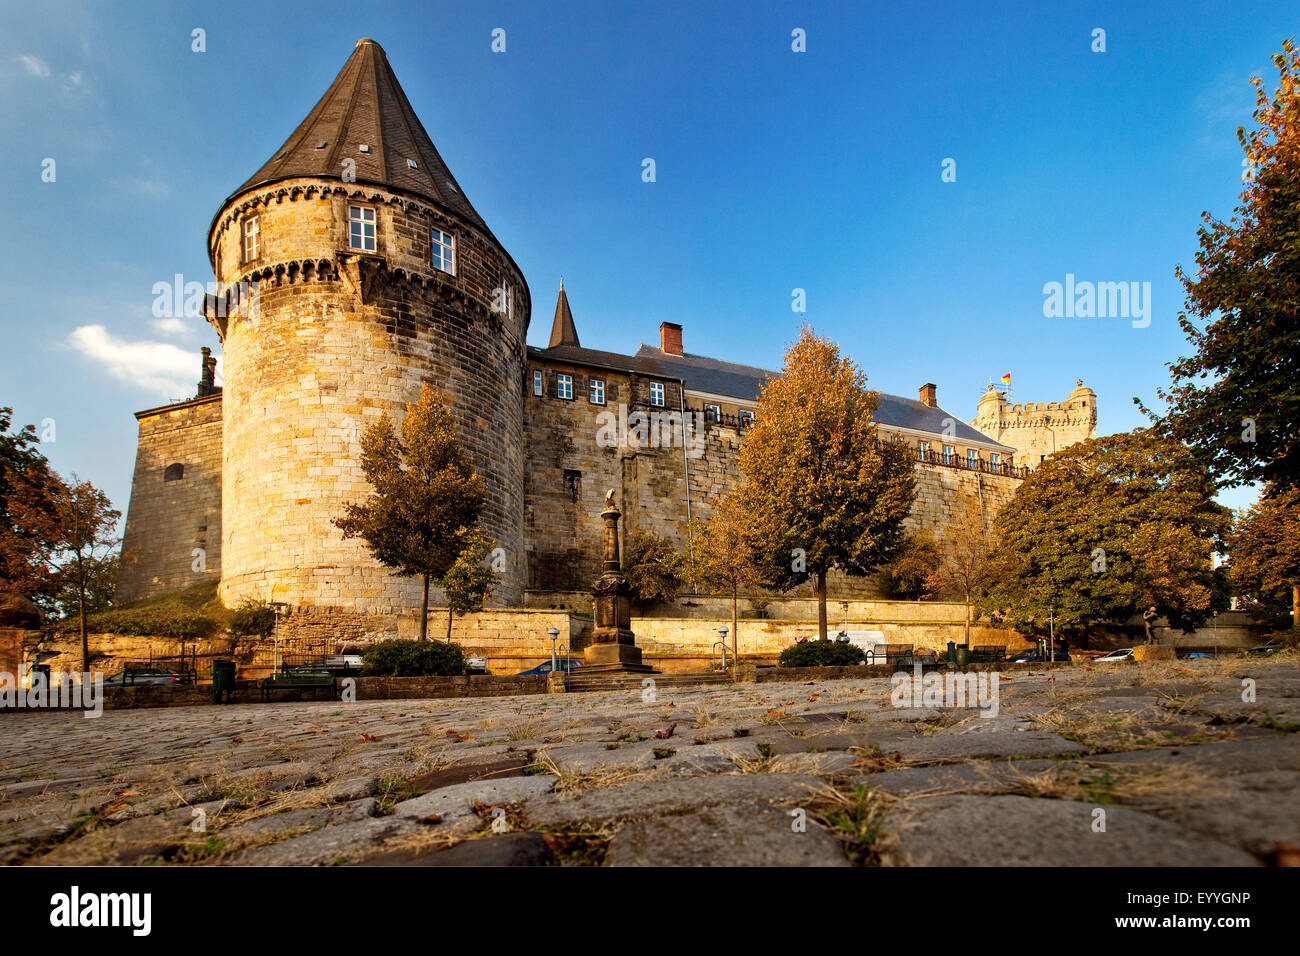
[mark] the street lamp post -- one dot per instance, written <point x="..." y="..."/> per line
<point x="722" y="633"/>
<point x="554" y="632"/>
<point x="277" y="606"/>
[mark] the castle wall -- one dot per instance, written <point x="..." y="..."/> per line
<point x="338" y="339"/>
<point x="569" y="470"/>
<point x="172" y="514"/>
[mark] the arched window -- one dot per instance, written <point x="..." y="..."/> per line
<point x="174" y="472"/>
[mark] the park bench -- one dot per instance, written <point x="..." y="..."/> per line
<point x="988" y="653"/>
<point x="294" y="680"/>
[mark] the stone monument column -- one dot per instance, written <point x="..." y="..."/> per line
<point x="613" y="645"/>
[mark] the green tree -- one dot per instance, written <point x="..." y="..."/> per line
<point x="468" y="582"/>
<point x="1265" y="548"/>
<point x="101" y="586"/>
<point x="1105" y="529"/>
<point x="426" y="503"/>
<point x="1237" y="398"/>
<point x="653" y="568"/>
<point x="821" y="492"/>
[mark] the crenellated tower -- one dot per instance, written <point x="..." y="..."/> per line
<point x="1038" y="430"/>
<point x="374" y="275"/>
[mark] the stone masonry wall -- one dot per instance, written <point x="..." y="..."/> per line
<point x="340" y="338"/>
<point x="569" y="469"/>
<point x="174" y="512"/>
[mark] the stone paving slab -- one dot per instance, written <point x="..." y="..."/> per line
<point x="1023" y="831"/>
<point x="1183" y="768"/>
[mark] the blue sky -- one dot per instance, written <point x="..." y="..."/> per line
<point x="775" y="170"/>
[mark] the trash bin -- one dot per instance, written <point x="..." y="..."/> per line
<point x="223" y="680"/>
<point x="952" y="651"/>
<point x="963" y="655"/>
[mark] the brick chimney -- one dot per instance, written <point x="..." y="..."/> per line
<point x="670" y="338"/>
<point x="928" y="395"/>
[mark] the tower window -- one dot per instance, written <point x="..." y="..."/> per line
<point x="564" y="386"/>
<point x="537" y="381"/>
<point x="596" y="392"/>
<point x="250" y="238"/>
<point x="657" y="393"/>
<point x="444" y="252"/>
<point x="174" y="472"/>
<point x="361" y="228"/>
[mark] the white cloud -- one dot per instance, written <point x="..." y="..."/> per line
<point x="170" y="326"/>
<point x="158" y="367"/>
<point x="34" y="65"/>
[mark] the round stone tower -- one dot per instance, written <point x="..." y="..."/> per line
<point x="373" y="275"/>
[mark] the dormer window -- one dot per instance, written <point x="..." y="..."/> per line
<point x="361" y="228"/>
<point x="250" y="238"/>
<point x="444" y="251"/>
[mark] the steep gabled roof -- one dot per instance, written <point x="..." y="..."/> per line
<point x="365" y="105"/>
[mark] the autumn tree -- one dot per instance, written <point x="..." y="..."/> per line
<point x="1265" y="548"/>
<point x="907" y="576"/>
<point x="821" y="492"/>
<point x="963" y="553"/>
<point x="75" y="539"/>
<point x="653" y="567"/>
<point x="28" y="520"/>
<point x="724" y="559"/>
<point x="1105" y="529"/>
<point x="426" y="501"/>
<point x="1237" y="398"/>
<point x="469" y="580"/>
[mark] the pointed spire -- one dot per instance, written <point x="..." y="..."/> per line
<point x="563" y="331"/>
<point x="365" y="118"/>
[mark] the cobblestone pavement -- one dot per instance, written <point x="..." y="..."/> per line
<point x="1153" y="763"/>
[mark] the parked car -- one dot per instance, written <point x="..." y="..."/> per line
<point x="1265" y="649"/>
<point x="151" y="675"/>
<point x="1123" y="654"/>
<point x="1033" y="657"/>
<point x="566" y="664"/>
<point x="1200" y="656"/>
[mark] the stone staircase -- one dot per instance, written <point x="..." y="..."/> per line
<point x="634" y="682"/>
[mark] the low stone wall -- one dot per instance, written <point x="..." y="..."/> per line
<point x="764" y="638"/>
<point x="419" y="688"/>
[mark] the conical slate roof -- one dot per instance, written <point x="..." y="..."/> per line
<point x="365" y="106"/>
<point x="563" y="331"/>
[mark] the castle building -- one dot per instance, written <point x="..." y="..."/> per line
<point x="354" y="270"/>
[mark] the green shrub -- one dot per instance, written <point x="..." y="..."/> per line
<point x="255" y="618"/>
<point x="412" y="659"/>
<point x="821" y="654"/>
